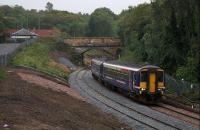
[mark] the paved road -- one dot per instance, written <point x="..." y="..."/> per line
<point x="8" y="48"/>
<point x="133" y="114"/>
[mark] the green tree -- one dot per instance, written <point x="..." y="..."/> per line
<point x="133" y="30"/>
<point x="2" y="26"/>
<point x="101" y="22"/>
<point x="164" y="33"/>
<point x="49" y="6"/>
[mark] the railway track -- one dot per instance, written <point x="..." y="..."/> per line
<point x="185" y="115"/>
<point x="110" y="106"/>
<point x="146" y="119"/>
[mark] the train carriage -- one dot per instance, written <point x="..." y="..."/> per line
<point x="137" y="80"/>
<point x="97" y="67"/>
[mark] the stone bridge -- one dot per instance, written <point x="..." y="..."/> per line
<point x="109" y="45"/>
<point x="93" y="42"/>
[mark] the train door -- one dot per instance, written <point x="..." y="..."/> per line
<point x="101" y="71"/>
<point x="152" y="82"/>
<point x="131" y="81"/>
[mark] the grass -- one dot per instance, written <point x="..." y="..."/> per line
<point x="97" y="53"/>
<point x="37" y="56"/>
<point x="2" y="73"/>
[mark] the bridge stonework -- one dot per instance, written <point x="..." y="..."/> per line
<point x="93" y="41"/>
<point x="109" y="45"/>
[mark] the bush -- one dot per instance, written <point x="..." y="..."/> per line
<point x="37" y="56"/>
<point x="189" y="71"/>
<point x="2" y="73"/>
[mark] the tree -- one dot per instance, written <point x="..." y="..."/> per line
<point x="134" y="29"/>
<point x="49" y="6"/>
<point x="164" y="33"/>
<point x="101" y="22"/>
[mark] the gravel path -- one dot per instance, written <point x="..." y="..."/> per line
<point x="67" y="63"/>
<point x="8" y="48"/>
<point x="139" y="116"/>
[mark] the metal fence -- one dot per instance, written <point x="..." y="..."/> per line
<point x="8" y="50"/>
<point x="181" y="87"/>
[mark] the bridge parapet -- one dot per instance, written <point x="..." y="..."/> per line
<point x="93" y="41"/>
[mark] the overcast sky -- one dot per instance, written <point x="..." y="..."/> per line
<point x="84" y="6"/>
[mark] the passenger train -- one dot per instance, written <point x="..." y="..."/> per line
<point x="146" y="81"/>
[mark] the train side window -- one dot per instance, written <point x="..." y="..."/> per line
<point x="143" y="76"/>
<point x="160" y="76"/>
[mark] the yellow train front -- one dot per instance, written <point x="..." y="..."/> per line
<point x="150" y="83"/>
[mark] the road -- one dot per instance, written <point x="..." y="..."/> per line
<point x="135" y="115"/>
<point x="8" y="48"/>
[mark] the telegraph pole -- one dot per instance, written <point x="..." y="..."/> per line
<point x="39" y="23"/>
<point x="27" y="21"/>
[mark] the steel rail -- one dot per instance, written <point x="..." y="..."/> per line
<point x="126" y="108"/>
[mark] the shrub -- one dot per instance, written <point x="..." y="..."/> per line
<point x="2" y="73"/>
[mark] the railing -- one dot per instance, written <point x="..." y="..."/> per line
<point x="181" y="88"/>
<point x="6" y="56"/>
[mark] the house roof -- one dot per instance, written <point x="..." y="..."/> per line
<point x="39" y="32"/>
<point x="43" y="32"/>
<point x="24" y="32"/>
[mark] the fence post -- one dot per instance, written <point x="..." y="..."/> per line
<point x="1" y="60"/>
<point x="5" y="59"/>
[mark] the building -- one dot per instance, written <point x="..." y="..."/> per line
<point x="39" y="32"/>
<point x="23" y="34"/>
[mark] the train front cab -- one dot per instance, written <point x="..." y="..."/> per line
<point x="151" y="83"/>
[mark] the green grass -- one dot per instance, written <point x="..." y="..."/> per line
<point x="2" y="73"/>
<point x="37" y="56"/>
<point x="97" y="53"/>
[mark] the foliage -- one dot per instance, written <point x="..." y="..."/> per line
<point x="37" y="56"/>
<point x="49" y="6"/>
<point x="62" y="47"/>
<point x="164" y="33"/>
<point x="97" y="53"/>
<point x="69" y="23"/>
<point x="2" y="73"/>
<point x="101" y="23"/>
<point x="189" y="71"/>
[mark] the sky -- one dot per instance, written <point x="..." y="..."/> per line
<point x="75" y="6"/>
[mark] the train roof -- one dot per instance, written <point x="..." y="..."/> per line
<point x="100" y="60"/>
<point x="129" y="66"/>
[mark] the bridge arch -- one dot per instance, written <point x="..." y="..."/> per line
<point x="101" y="49"/>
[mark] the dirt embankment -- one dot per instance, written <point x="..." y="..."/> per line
<point x="31" y="102"/>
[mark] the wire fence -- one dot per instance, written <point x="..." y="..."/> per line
<point x="7" y="50"/>
<point x="181" y="88"/>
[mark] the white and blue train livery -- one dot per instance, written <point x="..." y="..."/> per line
<point x="137" y="80"/>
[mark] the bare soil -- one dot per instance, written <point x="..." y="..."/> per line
<point x="31" y="102"/>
